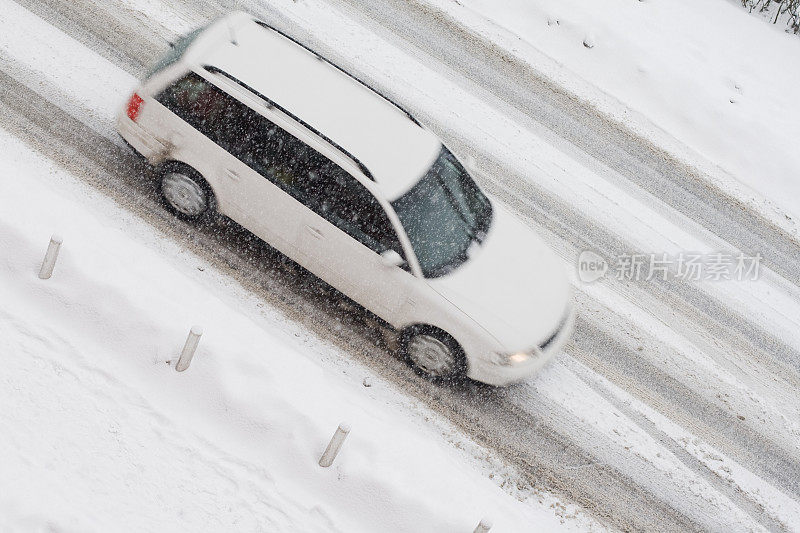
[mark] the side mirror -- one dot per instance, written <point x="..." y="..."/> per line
<point x="391" y="258"/>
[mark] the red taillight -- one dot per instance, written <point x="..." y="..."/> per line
<point x="134" y="106"/>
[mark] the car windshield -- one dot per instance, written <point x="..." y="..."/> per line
<point x="444" y="215"/>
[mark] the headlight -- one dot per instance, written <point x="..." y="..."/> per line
<point x="518" y="358"/>
<point x="512" y="359"/>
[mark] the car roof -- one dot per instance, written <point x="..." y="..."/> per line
<point x="395" y="149"/>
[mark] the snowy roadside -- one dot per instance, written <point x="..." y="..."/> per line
<point x="720" y="96"/>
<point x="100" y="431"/>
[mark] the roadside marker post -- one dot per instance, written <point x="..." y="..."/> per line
<point x="189" y="348"/>
<point x="334" y="445"/>
<point x="50" y="257"/>
<point x="484" y="526"/>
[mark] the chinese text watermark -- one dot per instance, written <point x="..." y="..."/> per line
<point x="716" y="266"/>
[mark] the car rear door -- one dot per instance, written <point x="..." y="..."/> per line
<point x="234" y="151"/>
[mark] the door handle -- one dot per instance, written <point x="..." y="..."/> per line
<point x="314" y="232"/>
<point x="232" y="174"/>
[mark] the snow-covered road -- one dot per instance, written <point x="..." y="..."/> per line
<point x="675" y="406"/>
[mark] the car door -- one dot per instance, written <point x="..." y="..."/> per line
<point x="234" y="151"/>
<point x="264" y="153"/>
<point x="342" y="235"/>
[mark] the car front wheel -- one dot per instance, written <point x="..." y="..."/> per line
<point x="434" y="355"/>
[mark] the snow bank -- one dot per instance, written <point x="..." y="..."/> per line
<point x="100" y="433"/>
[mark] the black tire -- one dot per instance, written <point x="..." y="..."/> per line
<point x="417" y="340"/>
<point x="185" y="192"/>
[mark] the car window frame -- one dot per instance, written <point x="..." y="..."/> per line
<point x="356" y="191"/>
<point x="438" y="184"/>
<point x="294" y="128"/>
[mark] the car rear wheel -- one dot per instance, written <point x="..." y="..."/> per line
<point x="434" y="355"/>
<point x="185" y="192"/>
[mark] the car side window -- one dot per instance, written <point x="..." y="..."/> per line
<point x="342" y="200"/>
<point x="298" y="169"/>
<point x="213" y="113"/>
<point x="323" y="187"/>
<point x="235" y="127"/>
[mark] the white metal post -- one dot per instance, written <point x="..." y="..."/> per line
<point x="50" y="257"/>
<point x="189" y="348"/>
<point x="334" y="445"/>
<point x="484" y="526"/>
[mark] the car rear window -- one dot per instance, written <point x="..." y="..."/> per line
<point x="175" y="52"/>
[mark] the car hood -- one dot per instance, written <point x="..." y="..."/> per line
<point x="513" y="285"/>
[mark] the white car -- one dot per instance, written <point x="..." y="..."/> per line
<point x="241" y="120"/>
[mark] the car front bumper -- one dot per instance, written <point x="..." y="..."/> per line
<point x="489" y="371"/>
